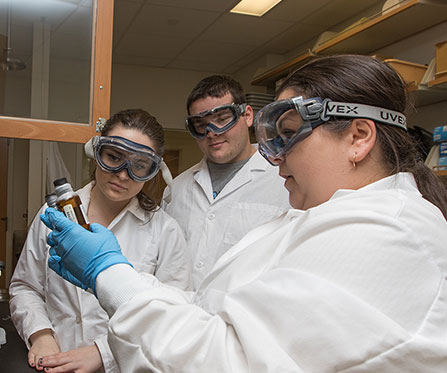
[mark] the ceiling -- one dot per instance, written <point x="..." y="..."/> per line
<point x="196" y="35"/>
<point x="203" y="35"/>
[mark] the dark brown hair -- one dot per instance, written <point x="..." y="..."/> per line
<point x="216" y="86"/>
<point x="140" y="120"/>
<point x="366" y="80"/>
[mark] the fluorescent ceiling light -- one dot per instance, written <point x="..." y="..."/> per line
<point x="254" y="7"/>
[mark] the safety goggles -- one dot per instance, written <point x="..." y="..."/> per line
<point x="282" y="124"/>
<point x="114" y="153"/>
<point x="219" y="120"/>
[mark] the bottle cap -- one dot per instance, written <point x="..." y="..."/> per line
<point x="61" y="181"/>
<point x="50" y="199"/>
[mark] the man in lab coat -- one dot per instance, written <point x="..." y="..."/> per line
<point x="233" y="189"/>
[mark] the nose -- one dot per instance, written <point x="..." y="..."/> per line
<point x="277" y="160"/>
<point x="210" y="133"/>
<point x="123" y="175"/>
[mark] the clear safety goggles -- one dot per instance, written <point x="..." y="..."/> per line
<point x="114" y="153"/>
<point x="282" y="124"/>
<point x="219" y="120"/>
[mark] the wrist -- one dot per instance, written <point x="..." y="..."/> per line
<point x="41" y="334"/>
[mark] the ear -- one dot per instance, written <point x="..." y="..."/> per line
<point x="362" y="134"/>
<point x="249" y="116"/>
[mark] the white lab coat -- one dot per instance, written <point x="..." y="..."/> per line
<point x="254" y="196"/>
<point x="41" y="299"/>
<point x="357" y="284"/>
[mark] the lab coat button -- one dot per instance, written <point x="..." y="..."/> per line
<point x="199" y="264"/>
<point x="78" y="319"/>
<point x="211" y="216"/>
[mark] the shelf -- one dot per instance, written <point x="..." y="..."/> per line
<point x="439" y="82"/>
<point x="425" y="95"/>
<point x="369" y="35"/>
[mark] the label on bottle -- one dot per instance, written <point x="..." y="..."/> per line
<point x="70" y="214"/>
<point x="84" y="214"/>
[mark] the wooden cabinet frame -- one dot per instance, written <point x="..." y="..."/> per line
<point x="100" y="88"/>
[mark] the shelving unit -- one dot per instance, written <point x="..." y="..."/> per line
<point x="442" y="175"/>
<point x="368" y="35"/>
<point x="426" y="95"/>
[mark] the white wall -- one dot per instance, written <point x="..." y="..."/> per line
<point x="161" y="92"/>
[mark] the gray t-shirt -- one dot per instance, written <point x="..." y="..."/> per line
<point x="221" y="174"/>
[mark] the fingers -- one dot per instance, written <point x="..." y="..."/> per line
<point x="53" y="253"/>
<point x="50" y="239"/>
<point x="58" y="363"/>
<point x="32" y="360"/>
<point x="54" y="219"/>
<point x="54" y="263"/>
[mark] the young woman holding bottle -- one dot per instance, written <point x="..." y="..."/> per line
<point x="53" y="316"/>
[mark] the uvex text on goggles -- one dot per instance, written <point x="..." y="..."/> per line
<point x="219" y="120"/>
<point x="114" y="153"/>
<point x="282" y="124"/>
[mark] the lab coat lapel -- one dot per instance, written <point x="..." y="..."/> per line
<point x="203" y="179"/>
<point x="245" y="174"/>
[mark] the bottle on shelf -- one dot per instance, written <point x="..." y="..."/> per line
<point x="69" y="203"/>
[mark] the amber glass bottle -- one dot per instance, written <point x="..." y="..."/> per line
<point x="69" y="203"/>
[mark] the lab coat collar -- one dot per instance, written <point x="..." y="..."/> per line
<point x="402" y="181"/>
<point x="133" y="206"/>
<point x="201" y="174"/>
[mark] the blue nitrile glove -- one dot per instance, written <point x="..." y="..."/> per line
<point x="77" y="254"/>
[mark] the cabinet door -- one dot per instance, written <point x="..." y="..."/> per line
<point x="55" y="69"/>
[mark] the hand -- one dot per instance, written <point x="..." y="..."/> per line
<point x="79" y="255"/>
<point x="82" y="360"/>
<point x="42" y="344"/>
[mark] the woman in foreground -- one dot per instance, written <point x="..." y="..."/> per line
<point x="353" y="279"/>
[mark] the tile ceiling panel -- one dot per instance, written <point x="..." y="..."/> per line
<point x="198" y="65"/>
<point x="169" y="21"/>
<point x="242" y="29"/>
<point x="337" y="11"/>
<point x="140" y="61"/>
<point x="206" y="51"/>
<point x="215" y="5"/>
<point x="292" y="37"/>
<point x="295" y="11"/>
<point x="150" y="46"/>
<point x="124" y="13"/>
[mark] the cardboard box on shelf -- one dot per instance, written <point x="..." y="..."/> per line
<point x="412" y="73"/>
<point x="441" y="57"/>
